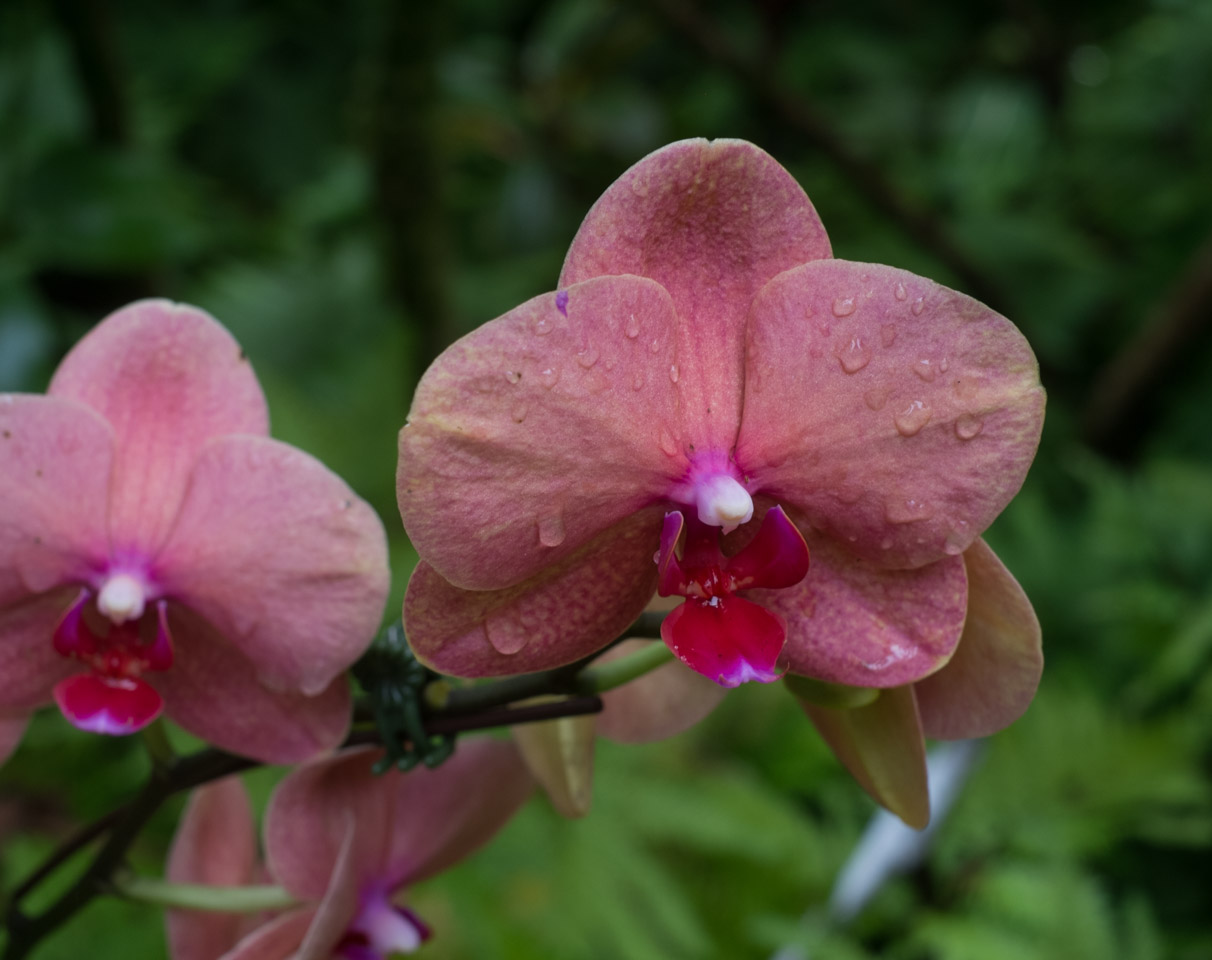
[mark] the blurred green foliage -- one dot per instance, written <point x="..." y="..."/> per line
<point x="349" y="186"/>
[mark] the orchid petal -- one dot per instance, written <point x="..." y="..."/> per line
<point x="993" y="675"/>
<point x="55" y="458"/>
<point x="727" y="639"/>
<point x="28" y="661"/>
<point x="279" y="939"/>
<point x="898" y="415"/>
<point x="854" y="623"/>
<point x="339" y="905"/>
<point x="881" y="745"/>
<point x="672" y="578"/>
<point x="774" y="559"/>
<point x="559" y="754"/>
<point x="167" y="377"/>
<point x="566" y="612"/>
<point x="282" y="557"/>
<point x="12" y="729"/>
<point x="215" y="844"/>
<point x="711" y="222"/>
<point x="660" y="704"/>
<point x="410" y="826"/>
<point x="213" y="692"/>
<point x="104" y="705"/>
<point x="533" y="434"/>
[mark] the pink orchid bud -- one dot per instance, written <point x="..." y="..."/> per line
<point x="159" y="552"/>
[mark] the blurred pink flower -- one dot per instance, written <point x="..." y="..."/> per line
<point x="159" y="551"/>
<point x="345" y="842"/>
<point x="708" y="389"/>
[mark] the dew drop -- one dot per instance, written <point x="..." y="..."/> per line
<point x="639" y="186"/>
<point x="551" y="530"/>
<point x="673" y="373"/>
<point x="588" y="357"/>
<point x="918" y="306"/>
<point x="654" y="346"/>
<point x="925" y="369"/>
<point x="513" y="376"/>
<point x="518" y="412"/>
<point x="875" y="399"/>
<point x="888" y="334"/>
<point x="632" y="327"/>
<point x="910" y="420"/>
<point x="823" y="328"/>
<point x="886" y="543"/>
<point x="900" y="509"/>
<point x="943" y="365"/>
<point x="901" y="293"/>
<point x="853" y="356"/>
<point x="958" y="539"/>
<point x="968" y="426"/>
<point x="549" y="377"/>
<point x="669" y="446"/>
<point x="506" y="636"/>
<point x="541" y="325"/>
<point x="610" y="363"/>
<point x="843" y="306"/>
<point x="637" y="382"/>
<point x="808" y="311"/>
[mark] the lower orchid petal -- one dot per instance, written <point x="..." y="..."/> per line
<point x="881" y="745"/>
<point x="29" y="663"/>
<point x="993" y="675"/>
<point x="12" y="729"/>
<point x="279" y="939"/>
<point x="659" y="704"/>
<point x="727" y="639"/>
<point x="776" y="558"/>
<point x="106" y="705"/>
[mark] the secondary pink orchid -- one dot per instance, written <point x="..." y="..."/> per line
<point x="347" y="844"/>
<point x="706" y="399"/>
<point x="160" y="552"/>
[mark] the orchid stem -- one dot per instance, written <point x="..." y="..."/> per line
<point x="607" y="676"/>
<point x="197" y="896"/>
<point x="155" y="739"/>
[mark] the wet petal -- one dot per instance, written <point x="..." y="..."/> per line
<point x="727" y="639"/>
<point x="167" y="377"/>
<point x="992" y="677"/>
<point x="906" y="428"/>
<point x="556" y="617"/>
<point x="533" y="434"/>
<point x="28" y="661"/>
<point x="881" y="745"/>
<point x="776" y="558"/>
<point x="55" y="458"/>
<point x="106" y="705"/>
<point x="215" y="844"/>
<point x="658" y="705"/>
<point x="712" y="222"/>
<point x="282" y="557"/>
<point x="854" y="623"/>
<point x="409" y="825"/>
<point x="213" y="692"/>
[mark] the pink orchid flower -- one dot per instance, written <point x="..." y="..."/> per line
<point x="347" y="843"/>
<point x="706" y="398"/>
<point x="159" y="551"/>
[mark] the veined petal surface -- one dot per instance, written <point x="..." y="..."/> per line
<point x="167" y="377"/>
<point x="898" y="415"/>
<point x="541" y="429"/>
<point x="561" y="614"/>
<point x="993" y="675"/>
<point x="712" y="222"/>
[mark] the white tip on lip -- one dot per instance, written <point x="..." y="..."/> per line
<point x="121" y="598"/>
<point x="723" y="502"/>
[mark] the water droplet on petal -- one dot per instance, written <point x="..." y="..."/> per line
<point x="655" y="345"/>
<point x="876" y="398"/>
<point x="639" y="186"/>
<point x="588" y="357"/>
<point x="541" y="325"/>
<point x="843" y="306"/>
<point x="632" y="327"/>
<point x="673" y="373"/>
<point x="888" y="334"/>
<point x="968" y="426"/>
<point x="808" y="313"/>
<point x="958" y="539"/>
<point x="637" y="382"/>
<point x="900" y="509"/>
<point x="513" y="376"/>
<point x="925" y="369"/>
<point x="551" y="530"/>
<point x="886" y="543"/>
<point x="901" y="293"/>
<point x="610" y="361"/>
<point x="943" y="365"/>
<point x="549" y="376"/>
<point x="518" y="412"/>
<point x="918" y="306"/>
<point x="853" y="356"/>
<point x="506" y="636"/>
<point x="911" y="419"/>
<point x="669" y="446"/>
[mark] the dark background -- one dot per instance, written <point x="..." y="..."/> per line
<point x="350" y="186"/>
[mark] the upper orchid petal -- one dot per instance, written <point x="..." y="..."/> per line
<point x="213" y="692"/>
<point x="881" y="745"/>
<point x="992" y="677"/>
<point x="711" y="222"/>
<point x="215" y="844"/>
<point x="543" y="428"/>
<point x="854" y="623"/>
<point x="55" y="458"/>
<point x="276" y="552"/>
<point x="658" y="705"/>
<point x="167" y="377"/>
<point x="558" y="616"/>
<point x="409" y="826"/>
<point x="898" y="415"/>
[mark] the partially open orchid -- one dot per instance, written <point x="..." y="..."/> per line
<point x="345" y="842"/>
<point x="705" y="400"/>
<point x="158" y="551"/>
